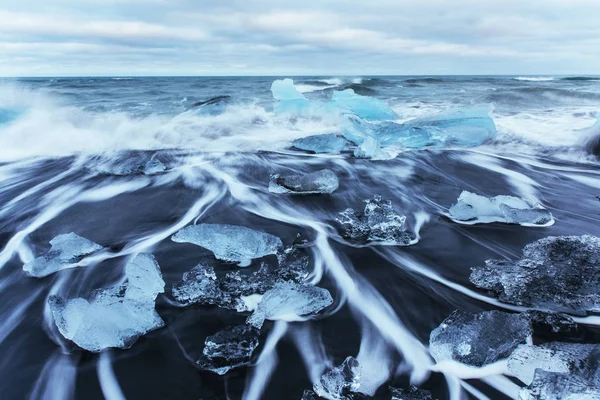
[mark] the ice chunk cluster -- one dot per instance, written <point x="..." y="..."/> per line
<point x="472" y="209"/>
<point x="230" y="348"/>
<point x="378" y="223"/>
<point x="369" y="108"/>
<point x="65" y="252"/>
<point x="557" y="370"/>
<point x="337" y="383"/>
<point x="230" y="243"/>
<point x="326" y="143"/>
<point x="290" y="301"/>
<point x="465" y="128"/>
<point x="478" y="339"/>
<point x="412" y="393"/>
<point x="116" y="316"/>
<point x="319" y="182"/>
<point x="555" y="273"/>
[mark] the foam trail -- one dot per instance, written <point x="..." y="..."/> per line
<point x="57" y="380"/>
<point x="108" y="381"/>
<point x="312" y="350"/>
<point x="455" y="390"/>
<point x="474" y="392"/>
<point x="463" y="371"/>
<point x="374" y="360"/>
<point x="267" y="361"/>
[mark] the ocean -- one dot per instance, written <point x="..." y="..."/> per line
<point x="73" y="158"/>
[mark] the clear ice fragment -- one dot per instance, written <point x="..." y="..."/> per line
<point x="200" y="286"/>
<point x="230" y="243"/>
<point x="472" y="208"/>
<point x="116" y="316"/>
<point x="555" y="273"/>
<point x="337" y="383"/>
<point x="319" y="182"/>
<point x="370" y="148"/>
<point x="412" y="393"/>
<point x="478" y="339"/>
<point x="326" y="143"/>
<point x="365" y="107"/>
<point x="65" y="252"/>
<point x="290" y="301"/>
<point x="290" y="100"/>
<point x="228" y="349"/>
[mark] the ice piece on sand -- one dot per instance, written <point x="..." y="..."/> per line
<point x="230" y="243"/>
<point x="365" y="107"/>
<point x="326" y="143"/>
<point x="466" y="128"/>
<point x="230" y="348"/>
<point x="472" y="209"/>
<point x="319" y="182"/>
<point x="116" y="316"/>
<point x="289" y="301"/>
<point x="551" y="357"/>
<point x="200" y="285"/>
<point x="555" y="273"/>
<point x="478" y="339"/>
<point x="378" y="223"/>
<point x="557" y="386"/>
<point x="65" y="252"/>
<point x="340" y="381"/>
<point x="370" y="148"/>
<point x="291" y="101"/>
<point x="412" y="393"/>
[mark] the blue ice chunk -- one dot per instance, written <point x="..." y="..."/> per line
<point x="370" y="148"/>
<point x="327" y="143"/>
<point x="65" y="252"/>
<point x="340" y="382"/>
<point x="466" y="128"/>
<point x="365" y="107"/>
<point x="116" y="316"/>
<point x="320" y="182"/>
<point x="291" y="101"/>
<point x="230" y="243"/>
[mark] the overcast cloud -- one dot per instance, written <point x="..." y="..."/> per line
<point x="274" y="37"/>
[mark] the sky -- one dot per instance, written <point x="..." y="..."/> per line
<point x="303" y="37"/>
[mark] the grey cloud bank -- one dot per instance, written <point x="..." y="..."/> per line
<point x="153" y="37"/>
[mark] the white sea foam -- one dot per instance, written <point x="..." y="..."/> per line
<point x="534" y="78"/>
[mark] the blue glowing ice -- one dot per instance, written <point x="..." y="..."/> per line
<point x="327" y="143"/>
<point x="369" y="108"/>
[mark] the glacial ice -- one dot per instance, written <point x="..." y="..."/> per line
<point x="288" y="301"/>
<point x="378" y="223"/>
<point x="555" y="273"/>
<point x="478" y="339"/>
<point x="200" y="285"/>
<point x="230" y="243"/>
<point x="412" y="393"/>
<point x="472" y="208"/>
<point x="229" y="348"/>
<point x="116" y="316"/>
<point x="326" y="143"/>
<point x="290" y="100"/>
<point x="557" y="370"/>
<point x="365" y="107"/>
<point x="465" y="128"/>
<point x="370" y="148"/>
<point x="319" y="182"/>
<point x="340" y="381"/>
<point x="65" y="252"/>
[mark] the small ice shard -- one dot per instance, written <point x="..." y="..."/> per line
<point x="65" y="252"/>
<point x="378" y="223"/>
<point x="239" y="283"/>
<point x="228" y="349"/>
<point x="544" y="322"/>
<point x="370" y="148"/>
<point x="551" y="357"/>
<point x="555" y="273"/>
<point x="230" y="243"/>
<point x="472" y="209"/>
<point x="291" y="101"/>
<point x="340" y="381"/>
<point x="466" y="128"/>
<point x="116" y="316"/>
<point x="478" y="339"/>
<point x="412" y="393"/>
<point x="290" y="301"/>
<point x="327" y="143"/>
<point x="200" y="285"/>
<point x="293" y="264"/>
<point x="153" y="166"/>
<point x="309" y="395"/>
<point x="365" y="107"/>
<point x="319" y="182"/>
<point x="557" y="386"/>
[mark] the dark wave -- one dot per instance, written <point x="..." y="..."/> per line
<point x="359" y="88"/>
<point x="580" y="78"/>
<point x="213" y="100"/>
<point x="424" y="80"/>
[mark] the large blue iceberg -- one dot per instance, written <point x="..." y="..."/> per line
<point x="465" y="128"/>
<point x="290" y="100"/>
<point x="369" y="108"/>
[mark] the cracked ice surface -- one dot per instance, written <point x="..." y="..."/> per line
<point x="548" y="276"/>
<point x="230" y="243"/>
<point x="290" y="301"/>
<point x="340" y="381"/>
<point x="478" y="339"/>
<point x="116" y="316"/>
<point x="319" y="182"/>
<point x="473" y="209"/>
<point x="66" y="251"/>
<point x="230" y="348"/>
